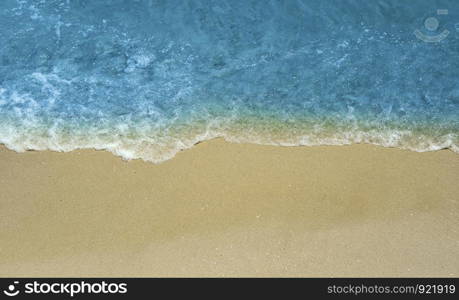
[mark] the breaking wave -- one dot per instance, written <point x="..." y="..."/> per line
<point x="146" y="79"/>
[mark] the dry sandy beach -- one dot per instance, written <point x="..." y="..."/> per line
<point x="224" y="209"/>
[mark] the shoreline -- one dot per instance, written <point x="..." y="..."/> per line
<point x="227" y="209"/>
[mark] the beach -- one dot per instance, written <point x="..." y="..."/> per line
<point x="228" y="209"/>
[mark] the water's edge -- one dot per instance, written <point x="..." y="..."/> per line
<point x="129" y="155"/>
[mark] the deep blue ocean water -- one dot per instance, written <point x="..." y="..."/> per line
<point x="148" y="78"/>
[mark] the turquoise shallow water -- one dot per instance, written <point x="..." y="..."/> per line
<point x="146" y="79"/>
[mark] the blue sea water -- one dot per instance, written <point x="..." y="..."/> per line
<point x="148" y="78"/>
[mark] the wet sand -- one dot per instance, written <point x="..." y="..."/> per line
<point x="224" y="209"/>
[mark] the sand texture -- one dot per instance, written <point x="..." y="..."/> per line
<point x="223" y="209"/>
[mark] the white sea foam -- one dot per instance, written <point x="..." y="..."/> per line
<point x="164" y="148"/>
